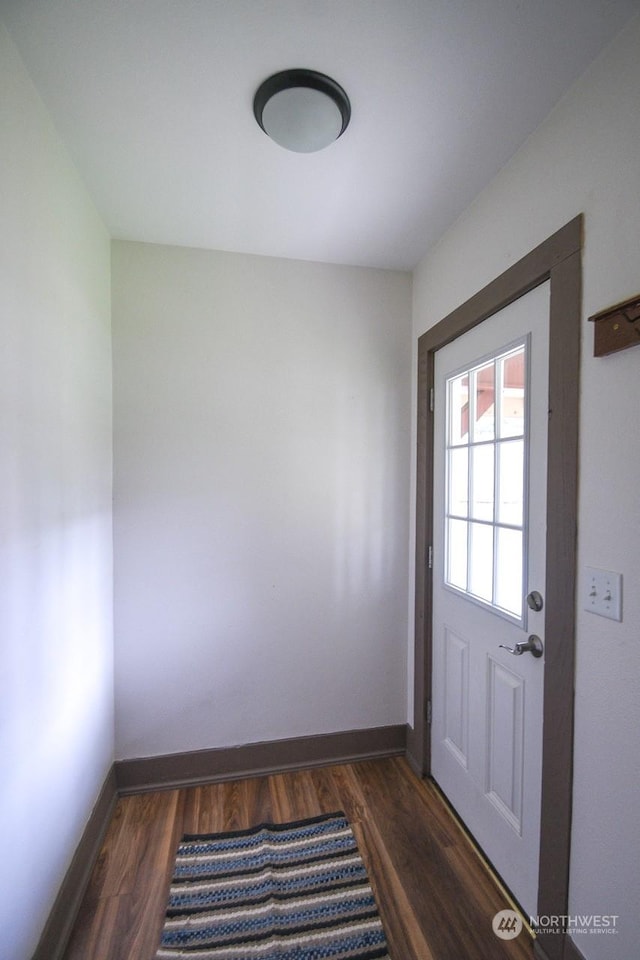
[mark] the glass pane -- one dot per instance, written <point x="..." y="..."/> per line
<point x="481" y="561"/>
<point x="482" y="482"/>
<point x="511" y="469"/>
<point x="459" y="482"/>
<point x="485" y="484"/>
<point x="513" y="393"/>
<point x="509" y="571"/>
<point x="457" y="553"/>
<point x="485" y="395"/>
<point x="459" y="410"/>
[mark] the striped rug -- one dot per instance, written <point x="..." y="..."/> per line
<point x="290" y="891"/>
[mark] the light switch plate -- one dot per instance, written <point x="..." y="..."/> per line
<point x="602" y="593"/>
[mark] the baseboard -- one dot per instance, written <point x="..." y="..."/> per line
<point x="258" y="759"/>
<point x="64" y="911"/>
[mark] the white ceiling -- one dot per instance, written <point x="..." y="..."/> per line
<point x="154" y="101"/>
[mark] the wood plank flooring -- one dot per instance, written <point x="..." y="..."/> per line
<point x="435" y="898"/>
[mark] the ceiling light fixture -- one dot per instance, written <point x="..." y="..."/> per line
<point x="302" y="110"/>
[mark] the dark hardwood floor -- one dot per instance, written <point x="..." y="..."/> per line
<point x="435" y="897"/>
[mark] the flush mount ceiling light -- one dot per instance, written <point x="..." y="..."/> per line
<point x="302" y="110"/>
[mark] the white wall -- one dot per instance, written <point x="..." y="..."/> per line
<point x="584" y="158"/>
<point x="56" y="705"/>
<point x="261" y="430"/>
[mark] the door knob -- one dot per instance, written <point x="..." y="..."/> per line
<point x="533" y="646"/>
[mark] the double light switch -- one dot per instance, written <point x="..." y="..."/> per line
<point x="602" y="591"/>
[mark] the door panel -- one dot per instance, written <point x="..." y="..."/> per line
<point x="505" y="742"/>
<point x="456" y="695"/>
<point x="490" y="421"/>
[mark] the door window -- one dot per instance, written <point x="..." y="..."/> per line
<point x="486" y="448"/>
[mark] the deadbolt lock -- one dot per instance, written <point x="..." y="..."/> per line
<point x="535" y="601"/>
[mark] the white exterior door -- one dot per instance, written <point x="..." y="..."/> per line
<point x="490" y="427"/>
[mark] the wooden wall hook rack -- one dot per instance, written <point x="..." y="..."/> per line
<point x="617" y="327"/>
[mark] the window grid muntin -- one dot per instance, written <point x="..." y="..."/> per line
<point x="498" y="361"/>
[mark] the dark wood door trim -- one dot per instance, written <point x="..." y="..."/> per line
<point x="558" y="260"/>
